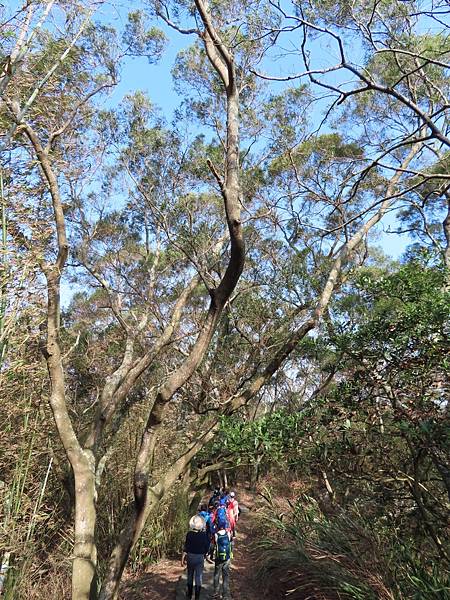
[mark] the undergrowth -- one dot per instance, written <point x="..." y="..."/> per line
<point x="340" y="557"/>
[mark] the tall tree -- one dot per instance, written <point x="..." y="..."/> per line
<point x="163" y="306"/>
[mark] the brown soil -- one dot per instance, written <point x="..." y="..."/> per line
<point x="244" y="582"/>
<point x="157" y="583"/>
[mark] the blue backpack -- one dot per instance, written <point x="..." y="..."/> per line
<point x="223" y="551"/>
<point x="221" y="516"/>
<point x="207" y="517"/>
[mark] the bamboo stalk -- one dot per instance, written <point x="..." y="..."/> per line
<point x="37" y="506"/>
<point x="3" y="287"/>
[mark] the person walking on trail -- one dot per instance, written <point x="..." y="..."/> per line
<point x="213" y="528"/>
<point x="206" y="515"/>
<point x="196" y="548"/>
<point x="231" y="520"/>
<point x="215" y="496"/>
<point x="234" y="505"/>
<point x="221" y="513"/>
<point x="233" y="511"/>
<point x="222" y="563"/>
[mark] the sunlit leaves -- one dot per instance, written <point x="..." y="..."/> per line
<point x="141" y="39"/>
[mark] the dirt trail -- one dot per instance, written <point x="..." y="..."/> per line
<point x="157" y="583"/>
<point x="160" y="580"/>
<point x="244" y="583"/>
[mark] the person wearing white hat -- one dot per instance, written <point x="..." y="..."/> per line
<point x="196" y="548"/>
<point x="234" y="506"/>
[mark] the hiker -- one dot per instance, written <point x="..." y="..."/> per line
<point x="205" y="514"/>
<point x="216" y="496"/>
<point x="195" y="551"/>
<point x="231" y="519"/>
<point x="234" y="505"/>
<point x="223" y="556"/>
<point x="221" y="514"/>
<point x="213" y="528"/>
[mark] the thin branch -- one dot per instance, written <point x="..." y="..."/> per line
<point x="165" y="16"/>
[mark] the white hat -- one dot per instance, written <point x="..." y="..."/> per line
<point x="232" y="494"/>
<point x="197" y="523"/>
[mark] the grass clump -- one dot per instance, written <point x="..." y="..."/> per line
<point x="340" y="556"/>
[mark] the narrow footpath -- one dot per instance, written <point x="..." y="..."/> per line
<point x="243" y="582"/>
<point x="166" y="580"/>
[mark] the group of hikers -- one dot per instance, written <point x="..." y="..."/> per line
<point x="210" y="536"/>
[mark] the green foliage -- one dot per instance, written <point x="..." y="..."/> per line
<point x="272" y="439"/>
<point x="390" y="16"/>
<point x="321" y="556"/>
<point x="142" y="40"/>
<point x="340" y="555"/>
<point x="405" y="312"/>
<point x="164" y="534"/>
<point x="390" y="68"/>
<point x="316" y="153"/>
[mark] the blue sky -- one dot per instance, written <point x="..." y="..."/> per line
<point x="156" y="81"/>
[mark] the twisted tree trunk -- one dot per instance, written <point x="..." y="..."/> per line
<point x="144" y="497"/>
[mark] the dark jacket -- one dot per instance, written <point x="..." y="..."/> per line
<point x="197" y="542"/>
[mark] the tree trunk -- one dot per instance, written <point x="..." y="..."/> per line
<point x="255" y="473"/>
<point x="84" y="583"/>
<point x="195" y="501"/>
<point x="446" y="228"/>
<point x="82" y="461"/>
<point x="119" y="557"/>
<point x="147" y="499"/>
